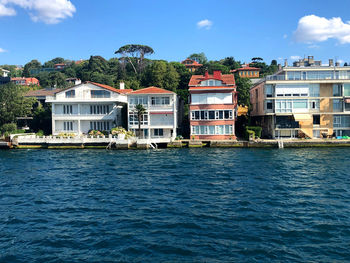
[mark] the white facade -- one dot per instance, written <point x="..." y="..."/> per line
<point x="86" y="107"/>
<point x="160" y="120"/>
<point x="4" y="73"/>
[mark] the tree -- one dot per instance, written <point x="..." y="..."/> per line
<point x="137" y="52"/>
<point x="231" y="63"/>
<point x="140" y="110"/>
<point x="161" y="74"/>
<point x="13" y="104"/>
<point x="345" y="64"/>
<point x="199" y="57"/>
<point x="274" y="62"/>
<point x="30" y="65"/>
<point x="257" y="59"/>
<point x="243" y="88"/>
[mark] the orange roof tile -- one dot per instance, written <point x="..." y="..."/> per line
<point x="152" y="90"/>
<point x="247" y="68"/>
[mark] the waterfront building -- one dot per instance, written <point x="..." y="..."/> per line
<point x="213" y="103"/>
<point x="4" y="73"/>
<point x="25" y="81"/>
<point x="246" y="71"/>
<point x="87" y="106"/>
<point x="307" y="99"/>
<point x="160" y="120"/>
<point x="191" y="64"/>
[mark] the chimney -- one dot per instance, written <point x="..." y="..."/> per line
<point x="206" y="74"/>
<point x="331" y="63"/>
<point x="286" y="62"/>
<point x="217" y="74"/>
<point x="122" y="85"/>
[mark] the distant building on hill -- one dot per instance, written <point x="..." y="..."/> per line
<point x="60" y="66"/>
<point x="25" y="81"/>
<point x="73" y="81"/>
<point x="4" y="73"/>
<point x="213" y="106"/>
<point x="246" y="71"/>
<point x="191" y="64"/>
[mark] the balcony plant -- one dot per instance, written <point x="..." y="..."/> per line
<point x="120" y="131"/>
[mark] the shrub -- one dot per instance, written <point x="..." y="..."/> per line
<point x="249" y="133"/>
<point x="40" y="133"/>
<point x="129" y="134"/>
<point x="8" y="128"/>
<point x="256" y="129"/>
<point x="118" y="130"/>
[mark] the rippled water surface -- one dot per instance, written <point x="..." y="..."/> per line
<point x="185" y="205"/>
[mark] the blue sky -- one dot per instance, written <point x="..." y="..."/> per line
<point x="76" y="29"/>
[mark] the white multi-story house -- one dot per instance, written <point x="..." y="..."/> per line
<point x="87" y="106"/>
<point x="160" y="119"/>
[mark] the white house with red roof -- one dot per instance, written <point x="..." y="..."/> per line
<point x="213" y="103"/>
<point x="160" y="120"/>
<point x="87" y="106"/>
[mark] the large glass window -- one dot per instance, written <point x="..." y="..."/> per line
<point x="337" y="105"/>
<point x="138" y="100"/>
<point x="337" y="88"/>
<point x="99" y="109"/>
<point x="341" y="121"/>
<point x="269" y="90"/>
<point x="100" y="94"/>
<point x="346" y="89"/>
<point x="67" y="109"/>
<point x="212" y="130"/>
<point x="212" y="115"/>
<point x="300" y="104"/>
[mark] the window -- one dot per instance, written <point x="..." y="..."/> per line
<point x="212" y="115"/>
<point x="211" y="82"/>
<point x="133" y="119"/>
<point x="68" y="126"/>
<point x="314" y="104"/>
<point x="314" y="90"/>
<point x="268" y="91"/>
<point x="316" y="119"/>
<point x="337" y="105"/>
<point x="300" y="104"/>
<point x="212" y="130"/>
<point x="67" y="109"/>
<point x="99" y="109"/>
<point x="70" y="94"/>
<point x="100" y="125"/>
<point x="160" y="101"/>
<point x="346" y="89"/>
<point x="337" y="88"/>
<point x="100" y="94"/>
<point x="269" y="105"/>
<point x="138" y="100"/>
<point x="158" y="132"/>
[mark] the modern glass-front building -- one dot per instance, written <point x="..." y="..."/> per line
<point x="305" y="100"/>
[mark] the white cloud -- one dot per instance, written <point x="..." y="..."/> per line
<point x="2" y="50"/>
<point x="47" y="11"/>
<point x="285" y="36"/>
<point x="318" y="29"/>
<point x="340" y="61"/>
<point x="6" y="11"/>
<point x="205" y="24"/>
<point x="295" y="57"/>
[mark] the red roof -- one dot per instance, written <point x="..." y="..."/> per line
<point x="227" y="79"/>
<point x="152" y="90"/>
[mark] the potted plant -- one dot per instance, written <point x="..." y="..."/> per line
<point x="120" y="131"/>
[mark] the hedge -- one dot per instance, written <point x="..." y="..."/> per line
<point x="256" y="129"/>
